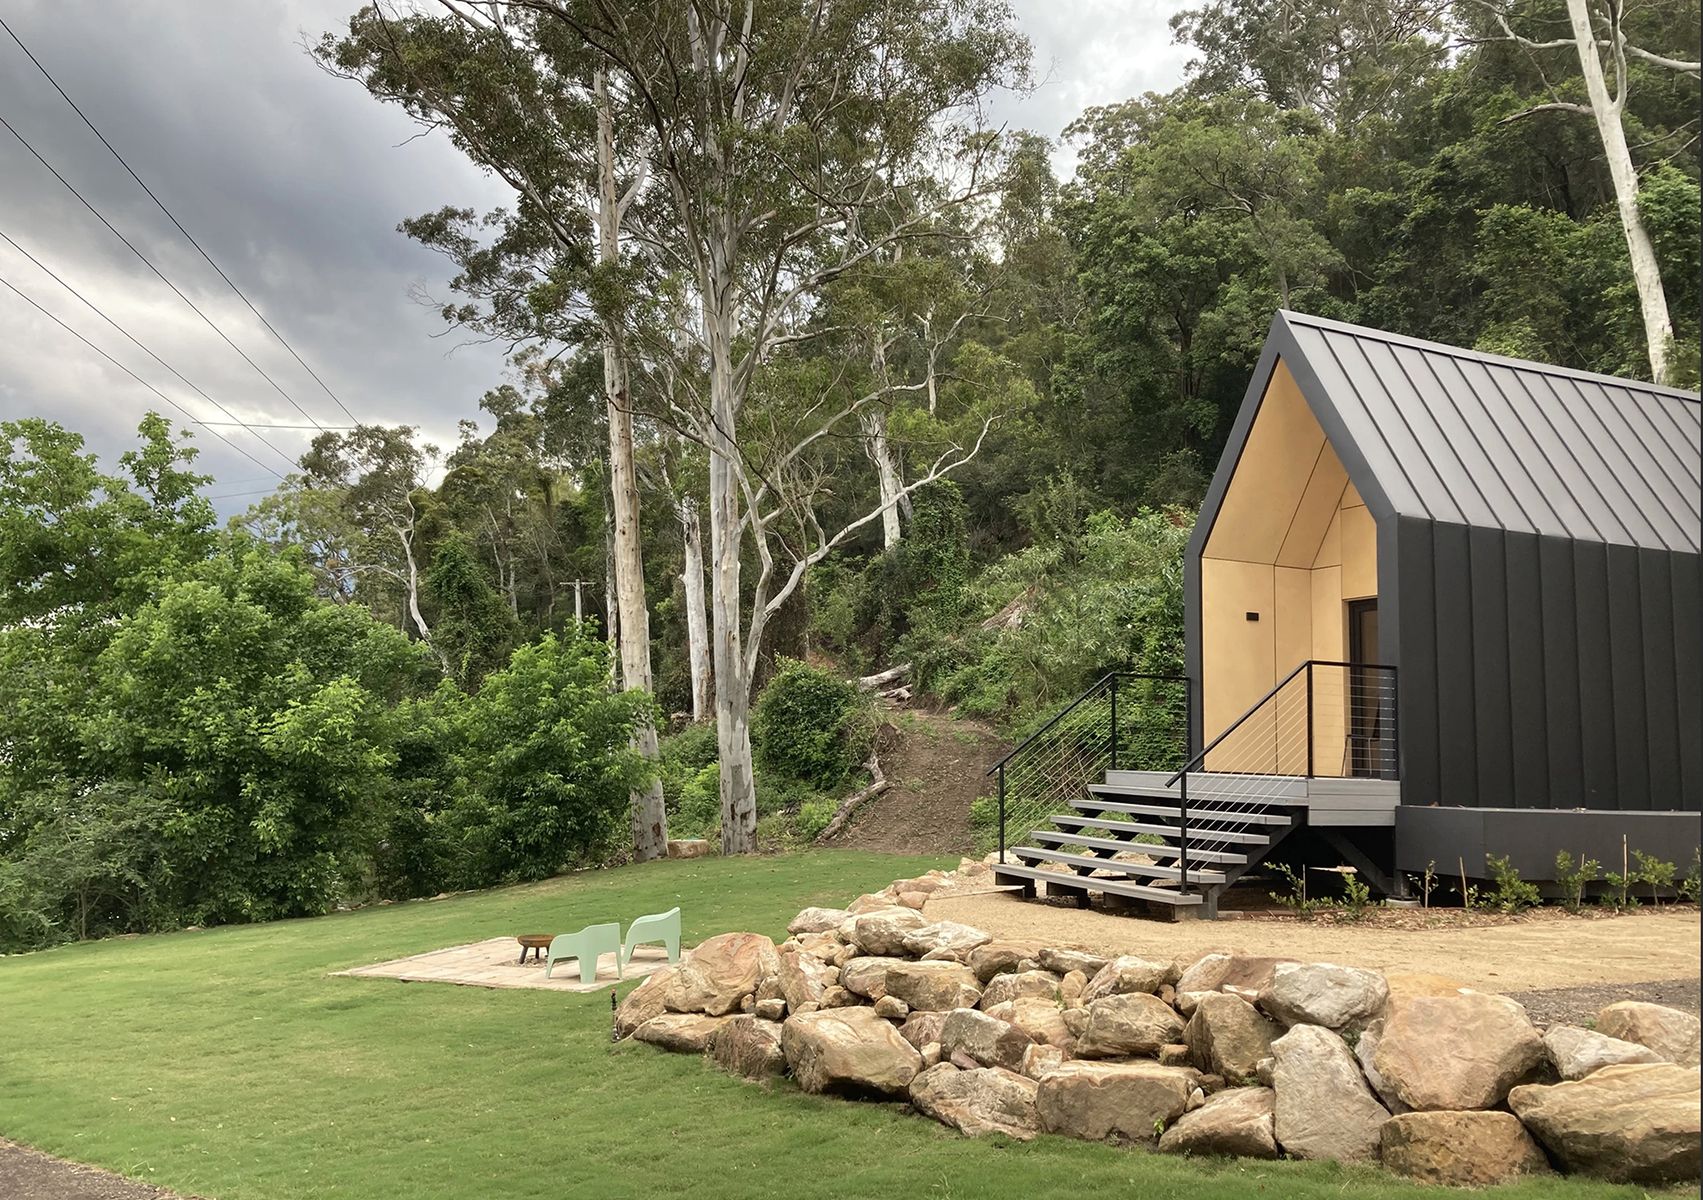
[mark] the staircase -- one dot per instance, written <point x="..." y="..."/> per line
<point x="1084" y="818"/>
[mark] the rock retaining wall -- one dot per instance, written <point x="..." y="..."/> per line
<point x="1224" y="1054"/>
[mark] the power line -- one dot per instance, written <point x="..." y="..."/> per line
<point x="161" y="274"/>
<point x="234" y="495"/>
<point x="273" y="425"/>
<point x="235" y="420"/>
<point x="162" y="207"/>
<point x="109" y="358"/>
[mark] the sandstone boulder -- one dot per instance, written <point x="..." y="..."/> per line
<point x="1061" y="960"/>
<point x="892" y="1008"/>
<point x="1228" y="1036"/>
<point x="986" y="1039"/>
<point x="921" y="1028"/>
<point x="817" y="920"/>
<point x="1039" y="1059"/>
<point x="933" y="985"/>
<point x="1461" y="1149"/>
<point x="1000" y="957"/>
<point x="1131" y="1023"/>
<point x="717" y="974"/>
<point x="1669" y="1032"/>
<point x="683" y="1033"/>
<point x="1454" y="1052"/>
<point x="1632" y="1123"/>
<point x="882" y="931"/>
<point x="1071" y="987"/>
<point x="644" y="1001"/>
<point x="946" y="939"/>
<point x="1042" y="1020"/>
<point x="687" y="847"/>
<point x="1577" y="1052"/>
<point x="866" y="976"/>
<point x="1323" y="1108"/>
<point x="1128" y="1102"/>
<point x="803" y="978"/>
<point x="770" y="1010"/>
<point x="749" y="1047"/>
<point x="1236" y="1122"/>
<point x="1126" y="973"/>
<point x="1406" y="984"/>
<point x="850" y="1052"/>
<point x="1010" y="986"/>
<point x="1324" y="994"/>
<point x="978" y="1102"/>
<point x="1245" y="975"/>
<point x="871" y="902"/>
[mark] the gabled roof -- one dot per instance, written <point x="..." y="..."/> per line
<point x="1463" y="438"/>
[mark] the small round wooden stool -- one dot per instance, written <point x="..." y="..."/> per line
<point x="535" y="942"/>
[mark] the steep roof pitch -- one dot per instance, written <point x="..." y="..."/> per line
<point x="1464" y="438"/>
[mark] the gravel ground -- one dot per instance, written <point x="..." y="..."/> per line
<point x="1580" y="1005"/>
<point x="27" y="1174"/>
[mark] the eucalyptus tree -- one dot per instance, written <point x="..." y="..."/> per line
<point x="530" y="102"/>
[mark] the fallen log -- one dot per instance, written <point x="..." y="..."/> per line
<point x="881" y="679"/>
<point x="848" y="806"/>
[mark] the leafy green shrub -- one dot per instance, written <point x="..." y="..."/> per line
<point x="1356" y="898"/>
<point x="1574" y="878"/>
<point x="1620" y="894"/>
<point x="1295" y="899"/>
<point x="805" y="728"/>
<point x="1512" y="894"/>
<point x="1692" y="884"/>
<point x="1657" y="873"/>
<point x="813" y="818"/>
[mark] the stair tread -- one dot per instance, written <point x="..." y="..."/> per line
<point x="1169" y="831"/>
<point x="1204" y="798"/>
<point x="1089" y="804"/>
<point x="1100" y="843"/>
<point x="1117" y="887"/>
<point x="1150" y="870"/>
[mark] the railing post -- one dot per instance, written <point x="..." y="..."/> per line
<point x="1395" y="727"/>
<point x="1002" y="814"/>
<point x="1183" y="841"/>
<point x="1309" y="718"/>
<point x="1114" y="765"/>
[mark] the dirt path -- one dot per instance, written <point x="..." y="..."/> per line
<point x="937" y="765"/>
<point x="27" y="1174"/>
<point x="1548" y="950"/>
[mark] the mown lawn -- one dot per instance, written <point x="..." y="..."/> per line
<point x="226" y="1064"/>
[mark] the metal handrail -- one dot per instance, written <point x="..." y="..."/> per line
<point x="1074" y="704"/>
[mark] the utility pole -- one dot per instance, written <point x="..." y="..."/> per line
<point x="579" y="607"/>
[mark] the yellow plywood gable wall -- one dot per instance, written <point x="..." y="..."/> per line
<point x="1292" y="542"/>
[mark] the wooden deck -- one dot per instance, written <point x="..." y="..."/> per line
<point x="1328" y="801"/>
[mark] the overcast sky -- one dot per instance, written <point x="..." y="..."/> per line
<point x="294" y="182"/>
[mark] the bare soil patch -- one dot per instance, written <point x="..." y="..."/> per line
<point x="27" y="1174"/>
<point x="1545" y="950"/>
<point x="937" y="764"/>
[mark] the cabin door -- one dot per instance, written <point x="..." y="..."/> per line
<point x="1367" y="690"/>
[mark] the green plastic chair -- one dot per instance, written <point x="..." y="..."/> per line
<point x="586" y="947"/>
<point x="657" y="927"/>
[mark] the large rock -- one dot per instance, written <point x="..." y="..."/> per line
<point x="1041" y="1019"/>
<point x="1454" y="1052"/>
<point x="1014" y="985"/>
<point x="683" y="1033"/>
<point x="883" y="931"/>
<point x="1669" y="1032"/>
<point x="866" y="976"/>
<point x="1038" y="1060"/>
<point x="1237" y="1121"/>
<point x="817" y="920"/>
<point x="1323" y="1108"/>
<point x="1001" y="957"/>
<point x="1061" y="960"/>
<point x="977" y="1102"/>
<point x="749" y="1047"/>
<point x="848" y="1052"/>
<point x="1245" y="974"/>
<point x="644" y="1001"/>
<point x="1404" y="985"/>
<point x="1126" y="973"/>
<point x="1131" y="1023"/>
<point x="719" y="973"/>
<point x="921" y="1028"/>
<point x="803" y="978"/>
<point x="1461" y="1149"/>
<point x="1577" y="1052"/>
<point x="946" y="938"/>
<point x="988" y="1040"/>
<point x="933" y="985"/>
<point x="1128" y="1102"/>
<point x="1228" y="1036"/>
<point x="1324" y="994"/>
<point x="1633" y="1123"/>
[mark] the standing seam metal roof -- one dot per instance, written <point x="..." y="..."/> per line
<point x="1475" y="439"/>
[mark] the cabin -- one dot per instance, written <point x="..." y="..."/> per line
<point x="1440" y="605"/>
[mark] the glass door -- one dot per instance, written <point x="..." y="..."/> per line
<point x="1366" y="750"/>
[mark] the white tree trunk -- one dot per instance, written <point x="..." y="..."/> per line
<point x="1646" y="274"/>
<point x="880" y="452"/>
<point x="406" y="537"/>
<point x="650" y="816"/>
<point x="697" y="623"/>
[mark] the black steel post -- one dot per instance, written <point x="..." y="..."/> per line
<point x="1395" y="728"/>
<point x="1309" y="718"/>
<point x="1114" y="765"/>
<point x="1183" y="841"/>
<point x="1002" y="813"/>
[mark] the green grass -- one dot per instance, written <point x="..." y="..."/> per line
<point x="226" y="1064"/>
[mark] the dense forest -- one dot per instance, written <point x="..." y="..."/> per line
<point x="814" y="372"/>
